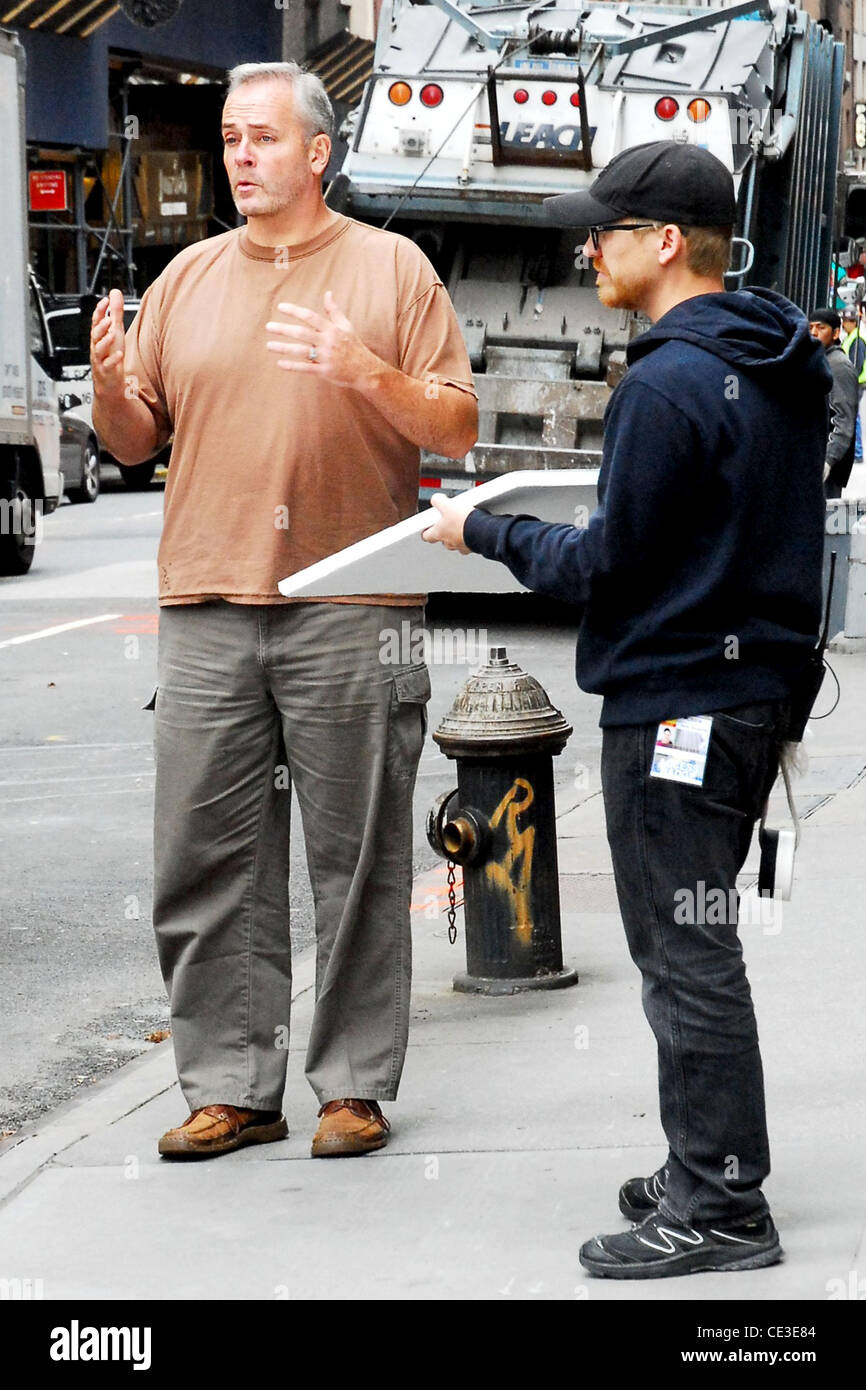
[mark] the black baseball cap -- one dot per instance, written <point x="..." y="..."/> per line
<point x="663" y="180"/>
<point x="828" y="316"/>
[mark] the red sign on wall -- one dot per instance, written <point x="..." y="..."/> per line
<point x="48" y="190"/>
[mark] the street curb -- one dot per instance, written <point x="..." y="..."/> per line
<point x="142" y="1079"/>
<point x="113" y="1097"/>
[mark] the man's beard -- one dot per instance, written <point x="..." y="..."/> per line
<point x="626" y="290"/>
<point x="268" y="203"/>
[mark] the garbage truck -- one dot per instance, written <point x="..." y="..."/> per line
<point x="30" y="429"/>
<point x="474" y="115"/>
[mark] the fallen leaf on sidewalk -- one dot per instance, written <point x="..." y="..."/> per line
<point x="159" y="1036"/>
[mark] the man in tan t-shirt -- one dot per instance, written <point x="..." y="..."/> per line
<point x="299" y="362"/>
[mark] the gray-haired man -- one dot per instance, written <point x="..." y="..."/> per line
<point x="293" y="361"/>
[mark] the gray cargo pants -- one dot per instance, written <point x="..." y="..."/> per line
<point x="251" y="699"/>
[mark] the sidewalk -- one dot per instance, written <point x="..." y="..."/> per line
<point x="518" y="1118"/>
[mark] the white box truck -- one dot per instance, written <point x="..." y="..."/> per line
<point x="30" y="478"/>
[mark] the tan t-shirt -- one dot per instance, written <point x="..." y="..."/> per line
<point x="273" y="470"/>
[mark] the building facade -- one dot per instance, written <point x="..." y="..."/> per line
<point x="123" y="103"/>
<point x="123" y="118"/>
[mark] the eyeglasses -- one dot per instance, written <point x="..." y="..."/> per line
<point x="595" y="233"/>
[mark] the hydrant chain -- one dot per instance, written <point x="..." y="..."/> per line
<point x="452" y="904"/>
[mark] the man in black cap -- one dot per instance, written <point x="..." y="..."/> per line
<point x="699" y="577"/>
<point x="824" y="324"/>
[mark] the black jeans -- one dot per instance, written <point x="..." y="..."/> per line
<point x="672" y="845"/>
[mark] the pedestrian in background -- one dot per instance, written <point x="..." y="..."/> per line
<point x="699" y="583"/>
<point x="824" y="325"/>
<point x="853" y="342"/>
<point x="857" y="267"/>
<point x="300" y="362"/>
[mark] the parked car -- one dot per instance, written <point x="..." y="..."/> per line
<point x="79" y="452"/>
<point x="69" y="324"/>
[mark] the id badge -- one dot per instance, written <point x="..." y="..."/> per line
<point x="680" y="754"/>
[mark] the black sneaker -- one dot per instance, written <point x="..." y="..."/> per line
<point x="640" y="1196"/>
<point x="659" y="1248"/>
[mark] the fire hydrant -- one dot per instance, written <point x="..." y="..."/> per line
<point x="500" y="824"/>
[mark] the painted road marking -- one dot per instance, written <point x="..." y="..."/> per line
<point x="64" y="627"/>
<point x="138" y="624"/>
<point x="43" y="747"/>
<point x="73" y="513"/>
<point x="52" y="781"/>
<point x="55" y="796"/>
<point x="113" y="583"/>
<point x="432" y="888"/>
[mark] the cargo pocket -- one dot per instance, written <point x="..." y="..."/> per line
<point x="407" y="721"/>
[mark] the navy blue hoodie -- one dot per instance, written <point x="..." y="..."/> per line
<point x="700" y="572"/>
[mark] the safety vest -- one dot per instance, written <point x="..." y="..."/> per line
<point x="857" y="332"/>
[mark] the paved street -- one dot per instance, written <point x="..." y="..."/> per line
<point x="287" y="242"/>
<point x="83" y="990"/>
<point x="518" y="1117"/>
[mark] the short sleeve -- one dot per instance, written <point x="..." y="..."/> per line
<point x="142" y="363"/>
<point x="430" y="342"/>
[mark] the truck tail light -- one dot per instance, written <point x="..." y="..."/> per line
<point x="666" y="108"/>
<point x="521" y="96"/>
<point x="431" y="95"/>
<point x="548" y="98"/>
<point x="399" y="93"/>
<point x="699" y="109"/>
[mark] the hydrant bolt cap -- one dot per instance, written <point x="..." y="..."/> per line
<point x="501" y="710"/>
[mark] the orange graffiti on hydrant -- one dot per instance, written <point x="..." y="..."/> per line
<point x="513" y="873"/>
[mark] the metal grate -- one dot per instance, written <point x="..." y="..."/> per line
<point x="77" y="18"/>
<point x="343" y="63"/>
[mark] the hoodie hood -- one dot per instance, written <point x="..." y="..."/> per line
<point x="756" y="330"/>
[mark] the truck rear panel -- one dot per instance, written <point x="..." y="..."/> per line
<point x="15" y="420"/>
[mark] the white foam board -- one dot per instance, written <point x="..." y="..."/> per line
<point x="398" y="561"/>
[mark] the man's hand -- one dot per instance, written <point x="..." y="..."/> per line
<point x="123" y="422"/>
<point x="433" y="415"/>
<point x="108" y="346"/>
<point x="448" y="526"/>
<point x="327" y="346"/>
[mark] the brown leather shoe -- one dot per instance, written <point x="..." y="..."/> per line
<point x="218" y="1129"/>
<point x="349" y="1127"/>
